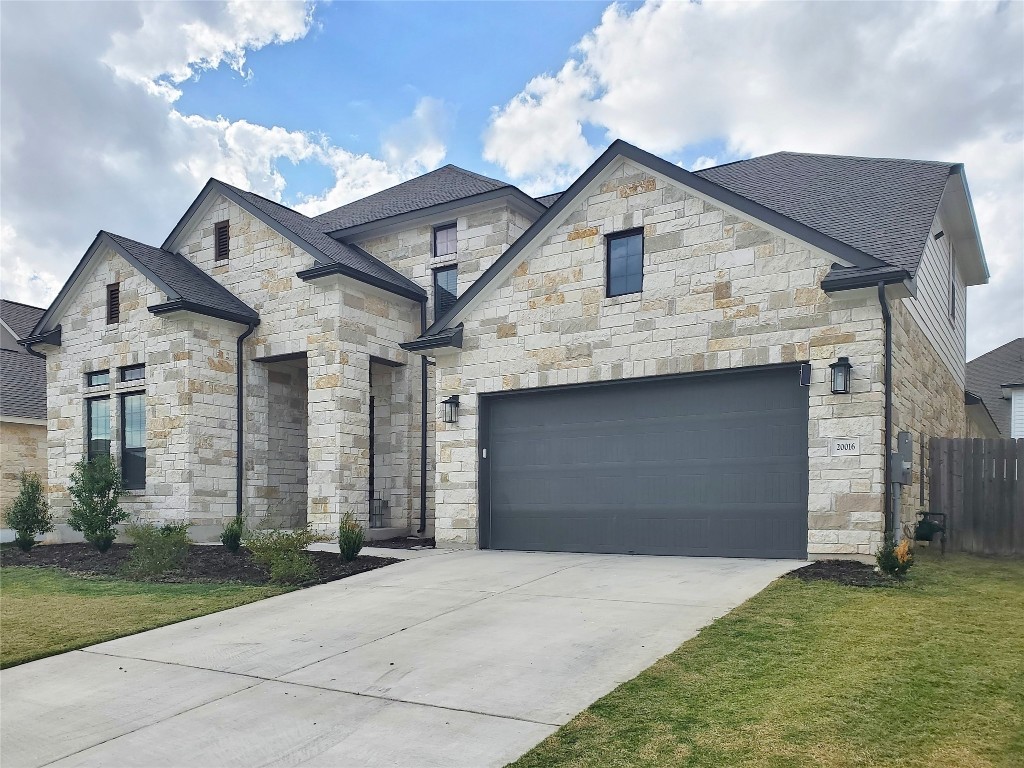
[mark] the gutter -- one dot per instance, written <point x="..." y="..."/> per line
<point x="890" y="524"/>
<point x="50" y="337"/>
<point x="183" y="305"/>
<point x="337" y="268"/>
<point x="240" y="416"/>
<point x="451" y="337"/>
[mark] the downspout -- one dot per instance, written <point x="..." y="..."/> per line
<point x="423" y="425"/>
<point x="240" y="416"/>
<point x="28" y="348"/>
<point x="890" y="524"/>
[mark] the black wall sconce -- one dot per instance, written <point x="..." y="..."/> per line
<point x="841" y="376"/>
<point x="450" y="413"/>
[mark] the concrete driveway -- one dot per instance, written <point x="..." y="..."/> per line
<point x="450" y="659"/>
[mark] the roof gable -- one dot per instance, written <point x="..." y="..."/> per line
<point x="987" y="373"/>
<point x="19" y="318"/>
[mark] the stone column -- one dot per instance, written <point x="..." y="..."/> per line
<point x="338" y="434"/>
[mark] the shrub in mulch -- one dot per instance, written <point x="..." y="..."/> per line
<point x="202" y="563"/>
<point x="851" y="573"/>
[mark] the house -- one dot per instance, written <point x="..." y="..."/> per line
<point x="22" y="400"/>
<point x="651" y="361"/>
<point x="996" y="382"/>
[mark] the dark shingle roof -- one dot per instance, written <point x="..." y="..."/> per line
<point x="444" y="185"/>
<point x="883" y="207"/>
<point x="22" y="385"/>
<point x="548" y="200"/>
<point x="986" y="373"/>
<point x="310" y="231"/>
<point x="184" y="278"/>
<point x="20" y="318"/>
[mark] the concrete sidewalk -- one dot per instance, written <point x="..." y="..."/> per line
<point x="464" y="658"/>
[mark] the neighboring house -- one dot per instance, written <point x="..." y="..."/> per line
<point x="22" y="400"/>
<point x="996" y="379"/>
<point x="616" y="368"/>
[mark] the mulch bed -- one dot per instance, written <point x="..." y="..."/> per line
<point x="202" y="564"/>
<point x="402" y="542"/>
<point x="849" y="572"/>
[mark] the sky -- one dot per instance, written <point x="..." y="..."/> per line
<point x="114" y="115"/>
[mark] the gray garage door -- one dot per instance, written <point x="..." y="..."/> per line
<point x="687" y="465"/>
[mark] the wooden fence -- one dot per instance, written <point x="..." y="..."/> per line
<point x="979" y="485"/>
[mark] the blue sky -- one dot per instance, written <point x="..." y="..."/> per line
<point x="114" y="114"/>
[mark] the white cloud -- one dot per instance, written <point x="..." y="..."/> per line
<point x="920" y="80"/>
<point x="91" y="138"/>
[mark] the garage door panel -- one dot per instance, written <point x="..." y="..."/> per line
<point x="683" y="465"/>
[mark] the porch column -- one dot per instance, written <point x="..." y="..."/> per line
<point x="338" y="435"/>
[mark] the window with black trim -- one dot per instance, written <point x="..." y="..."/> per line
<point x="97" y="425"/>
<point x="445" y="289"/>
<point x="446" y="240"/>
<point x="97" y="378"/>
<point x="952" y="285"/>
<point x="133" y="372"/>
<point x="625" y="269"/>
<point x="133" y="440"/>
<point x="113" y="303"/>
<point x="221" y="240"/>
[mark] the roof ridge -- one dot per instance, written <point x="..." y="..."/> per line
<point x="263" y="197"/>
<point x="471" y="173"/>
<point x="996" y="349"/>
<point x="23" y="304"/>
<point x="856" y="157"/>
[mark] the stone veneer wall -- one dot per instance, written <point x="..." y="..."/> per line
<point x="287" y="443"/>
<point x="22" y="449"/>
<point x="718" y="293"/>
<point x="391" y="447"/>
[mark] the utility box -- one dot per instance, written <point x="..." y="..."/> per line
<point x="901" y="460"/>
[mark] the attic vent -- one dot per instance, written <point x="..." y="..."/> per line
<point x="113" y="303"/>
<point x="221" y="237"/>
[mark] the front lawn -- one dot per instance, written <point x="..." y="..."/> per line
<point x="929" y="673"/>
<point x="44" y="611"/>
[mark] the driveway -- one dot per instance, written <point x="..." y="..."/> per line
<point x="463" y="658"/>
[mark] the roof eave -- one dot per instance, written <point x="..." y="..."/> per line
<point x="838" y="283"/>
<point x="181" y="305"/>
<point x="333" y="269"/>
<point x="50" y="338"/>
<point x="451" y="338"/>
<point x="960" y="222"/>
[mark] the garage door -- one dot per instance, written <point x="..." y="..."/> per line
<point x="711" y="464"/>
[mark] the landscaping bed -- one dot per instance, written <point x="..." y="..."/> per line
<point x="403" y="542"/>
<point x="203" y="564"/>
<point x="850" y="573"/>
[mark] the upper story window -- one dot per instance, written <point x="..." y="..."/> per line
<point x="97" y="425"/>
<point x="113" y="303"/>
<point x="625" y="263"/>
<point x="97" y="378"/>
<point x="133" y="373"/>
<point x="446" y="240"/>
<point x="952" y="285"/>
<point x="221" y="240"/>
<point x="445" y="289"/>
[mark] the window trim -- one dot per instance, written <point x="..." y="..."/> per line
<point x="221" y="247"/>
<point x="89" y="384"/>
<point x="433" y="240"/>
<point x="131" y="485"/>
<point x="89" y="457"/>
<point x="438" y="312"/>
<point x="608" y="239"/>
<point x="113" y="303"/>
<point x="125" y="369"/>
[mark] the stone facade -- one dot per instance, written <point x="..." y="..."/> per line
<point x="23" y="450"/>
<point x="719" y="292"/>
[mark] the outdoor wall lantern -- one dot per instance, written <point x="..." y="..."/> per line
<point x="841" y="376"/>
<point x="451" y="410"/>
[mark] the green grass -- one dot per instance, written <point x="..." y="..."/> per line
<point x="44" y="611"/>
<point x="930" y="673"/>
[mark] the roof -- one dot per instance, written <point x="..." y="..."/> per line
<point x="312" y="232"/>
<point x="840" y="278"/>
<point x="988" y="372"/>
<point x="548" y="200"/>
<point x="182" y="280"/>
<point x="883" y="207"/>
<point x="446" y="184"/>
<point x="22" y="385"/>
<point x="20" y="318"/>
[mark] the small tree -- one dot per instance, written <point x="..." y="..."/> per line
<point x="29" y="514"/>
<point x="95" y="489"/>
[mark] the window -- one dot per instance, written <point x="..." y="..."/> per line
<point x="445" y="289"/>
<point x="133" y="440"/>
<point x="625" y="263"/>
<point x="97" y="424"/>
<point x="221" y="240"/>
<point x="133" y="373"/>
<point x="952" y="285"/>
<point x="113" y="303"/>
<point x="97" y="379"/>
<point x="446" y="241"/>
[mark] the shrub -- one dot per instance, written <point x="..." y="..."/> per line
<point x="284" y="553"/>
<point x="157" y="549"/>
<point x="95" y="488"/>
<point x="350" y="537"/>
<point x="29" y="514"/>
<point x="233" y="534"/>
<point x="894" y="559"/>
